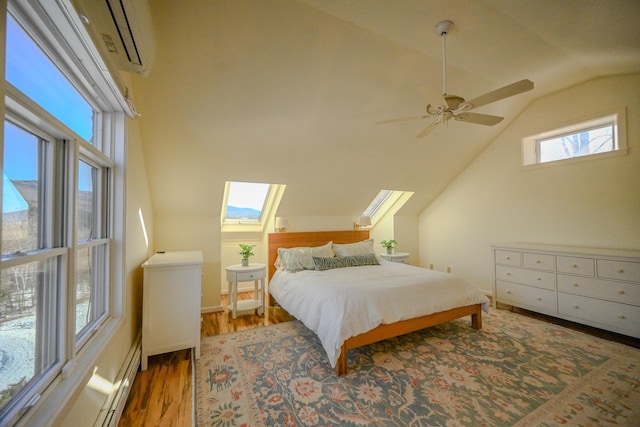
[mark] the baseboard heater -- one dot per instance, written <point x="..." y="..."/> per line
<point x="114" y="405"/>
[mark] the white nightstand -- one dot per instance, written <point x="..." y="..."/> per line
<point x="402" y="257"/>
<point x="238" y="273"/>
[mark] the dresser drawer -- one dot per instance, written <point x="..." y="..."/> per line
<point x="604" y="314"/>
<point x="627" y="293"/>
<point x="508" y="257"/>
<point x="539" y="279"/>
<point x="575" y="265"/>
<point x="526" y="296"/>
<point x="619" y="270"/>
<point x="539" y="261"/>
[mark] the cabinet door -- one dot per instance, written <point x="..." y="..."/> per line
<point x="173" y="308"/>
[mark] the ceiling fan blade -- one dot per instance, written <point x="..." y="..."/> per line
<point x="402" y="119"/>
<point x="504" y="92"/>
<point x="426" y="131"/>
<point x="479" y="119"/>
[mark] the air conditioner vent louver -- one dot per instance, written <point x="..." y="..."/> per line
<point x="124" y="30"/>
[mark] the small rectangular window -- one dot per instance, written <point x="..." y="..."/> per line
<point x="591" y="137"/>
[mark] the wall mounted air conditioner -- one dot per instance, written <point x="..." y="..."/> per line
<point x="123" y="30"/>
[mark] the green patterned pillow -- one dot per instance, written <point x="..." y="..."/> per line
<point x="344" y="261"/>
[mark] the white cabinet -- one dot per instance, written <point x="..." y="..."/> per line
<point x="401" y="257"/>
<point x="597" y="287"/>
<point x="171" y="303"/>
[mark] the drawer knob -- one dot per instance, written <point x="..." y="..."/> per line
<point x="575" y="285"/>
<point x="621" y="316"/>
<point x="574" y="265"/>
<point x="508" y="291"/>
<point x="539" y="299"/>
<point x="508" y="273"/>
<point x="538" y="278"/>
<point x="620" y="270"/>
<point x="621" y="291"/>
<point x="538" y="261"/>
<point x="508" y="258"/>
<point x="576" y="306"/>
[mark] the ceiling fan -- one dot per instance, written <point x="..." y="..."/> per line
<point x="455" y="107"/>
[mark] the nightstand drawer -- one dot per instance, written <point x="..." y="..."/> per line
<point x="627" y="293"/>
<point x="508" y="258"/>
<point x="538" y="261"/>
<point x="619" y="270"/>
<point x="249" y="276"/>
<point x="539" y="279"/>
<point x="575" y="265"/>
<point x="526" y="296"/>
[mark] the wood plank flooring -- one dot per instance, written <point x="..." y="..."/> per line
<point x="163" y="394"/>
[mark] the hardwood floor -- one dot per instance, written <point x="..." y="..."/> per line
<point x="163" y="394"/>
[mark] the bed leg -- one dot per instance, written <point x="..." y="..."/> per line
<point x="341" y="364"/>
<point x="476" y="320"/>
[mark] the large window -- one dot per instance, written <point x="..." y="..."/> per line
<point x="57" y="219"/>
<point x="596" y="136"/>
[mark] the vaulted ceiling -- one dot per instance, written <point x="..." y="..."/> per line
<point x="288" y="91"/>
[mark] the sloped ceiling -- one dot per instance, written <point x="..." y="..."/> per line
<point x="288" y="92"/>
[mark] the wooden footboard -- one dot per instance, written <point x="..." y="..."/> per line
<point x="384" y="332"/>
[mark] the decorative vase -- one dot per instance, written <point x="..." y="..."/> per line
<point x="245" y="262"/>
<point x="389" y="251"/>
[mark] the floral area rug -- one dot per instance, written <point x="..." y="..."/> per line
<point x="516" y="371"/>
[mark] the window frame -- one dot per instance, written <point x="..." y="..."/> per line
<point x="57" y="29"/>
<point x="530" y="145"/>
<point x="274" y="193"/>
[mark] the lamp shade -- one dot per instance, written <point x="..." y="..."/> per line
<point x="364" y="221"/>
<point x="282" y="222"/>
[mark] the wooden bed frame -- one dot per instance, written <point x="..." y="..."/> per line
<point x="382" y="332"/>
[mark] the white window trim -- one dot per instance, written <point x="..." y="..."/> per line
<point x="51" y="405"/>
<point x="529" y="145"/>
<point x="274" y="195"/>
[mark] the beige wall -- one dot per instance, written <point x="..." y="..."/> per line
<point x="587" y="203"/>
<point x="194" y="233"/>
<point x="89" y="403"/>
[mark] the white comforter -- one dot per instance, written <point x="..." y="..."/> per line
<point x="344" y="302"/>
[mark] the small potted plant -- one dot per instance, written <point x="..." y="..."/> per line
<point x="246" y="252"/>
<point x="389" y="244"/>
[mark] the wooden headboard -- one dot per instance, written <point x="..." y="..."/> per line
<point x="309" y="239"/>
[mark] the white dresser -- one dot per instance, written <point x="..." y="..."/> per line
<point x="171" y="303"/>
<point x="596" y="287"/>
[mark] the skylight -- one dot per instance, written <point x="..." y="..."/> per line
<point x="377" y="203"/>
<point x="245" y="202"/>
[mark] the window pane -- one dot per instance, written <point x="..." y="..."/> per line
<point x="20" y="190"/>
<point x="91" y="285"/>
<point x="245" y="201"/>
<point x="28" y="325"/>
<point x="31" y="71"/>
<point x="587" y="142"/>
<point x="85" y="202"/>
<point x="377" y="202"/>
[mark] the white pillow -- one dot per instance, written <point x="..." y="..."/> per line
<point x="296" y="259"/>
<point x="364" y="247"/>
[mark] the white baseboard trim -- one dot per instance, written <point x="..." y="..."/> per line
<point x="212" y="309"/>
<point x="114" y="405"/>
